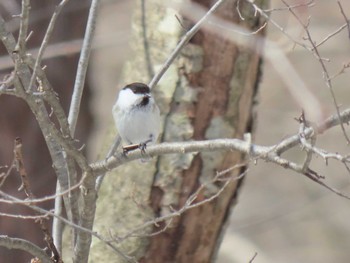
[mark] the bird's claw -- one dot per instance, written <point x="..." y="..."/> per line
<point x="142" y="147"/>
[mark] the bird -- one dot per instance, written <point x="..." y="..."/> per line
<point x="137" y="116"/>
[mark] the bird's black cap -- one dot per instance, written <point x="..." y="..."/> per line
<point x="138" y="88"/>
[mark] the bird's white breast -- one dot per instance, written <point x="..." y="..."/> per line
<point x="137" y="124"/>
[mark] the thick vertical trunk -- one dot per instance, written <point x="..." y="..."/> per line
<point x="226" y="86"/>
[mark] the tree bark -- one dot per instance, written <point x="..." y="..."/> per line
<point x="209" y="92"/>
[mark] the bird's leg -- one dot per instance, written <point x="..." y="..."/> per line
<point x="143" y="145"/>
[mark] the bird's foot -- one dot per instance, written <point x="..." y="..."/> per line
<point x="142" y="146"/>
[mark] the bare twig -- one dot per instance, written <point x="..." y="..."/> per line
<point x="21" y="170"/>
<point x="146" y="47"/>
<point x="23" y="29"/>
<point x="310" y="3"/>
<point x="58" y="225"/>
<point x="331" y="35"/>
<point x="317" y="178"/>
<point x="67" y="222"/>
<point x="25" y="217"/>
<point x="182" y="43"/>
<point x="21" y="80"/>
<point x="345" y="17"/>
<point x="310" y="147"/>
<point x="275" y="24"/>
<point x="7" y="38"/>
<point x="252" y="259"/>
<point x="110" y="153"/>
<point x="189" y="204"/>
<point x="46" y="198"/>
<point x="267" y="48"/>
<point x="303" y="125"/>
<point x="28" y="191"/>
<point x="3" y="175"/>
<point x="46" y="40"/>
<point x="83" y="240"/>
<point x="6" y="84"/>
<point x="82" y="66"/>
<point x="326" y="75"/>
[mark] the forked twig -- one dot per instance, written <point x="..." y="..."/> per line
<point x="25" y="186"/>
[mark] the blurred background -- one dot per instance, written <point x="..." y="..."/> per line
<point x="282" y="216"/>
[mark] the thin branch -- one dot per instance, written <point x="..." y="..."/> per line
<point x="57" y="225"/>
<point x="21" y="170"/>
<point x="17" y="243"/>
<point x="325" y="71"/>
<point x="189" y="204"/>
<point x="45" y="41"/>
<point x="345" y="17"/>
<point x="46" y="198"/>
<point x="22" y="79"/>
<point x="342" y="70"/>
<point x="110" y="153"/>
<point x="63" y="163"/>
<point x="275" y="24"/>
<point x="82" y="67"/>
<point x="3" y="176"/>
<point x="66" y="183"/>
<point x="23" y="29"/>
<point x="269" y="50"/>
<point x="25" y="186"/>
<point x="6" y="84"/>
<point x="67" y="222"/>
<point x="185" y="39"/>
<point x="25" y="217"/>
<point x="317" y="178"/>
<point x="303" y="141"/>
<point x="83" y="239"/>
<point x="320" y="128"/>
<point x="311" y="3"/>
<point x="252" y="259"/>
<point x="331" y="35"/>
<point x="146" y="47"/>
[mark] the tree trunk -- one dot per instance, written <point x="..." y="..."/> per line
<point x="209" y="92"/>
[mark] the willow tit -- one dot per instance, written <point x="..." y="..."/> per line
<point x="136" y="115"/>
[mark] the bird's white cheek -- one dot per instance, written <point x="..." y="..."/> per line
<point x="127" y="99"/>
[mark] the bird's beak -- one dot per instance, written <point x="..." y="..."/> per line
<point x="147" y="96"/>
